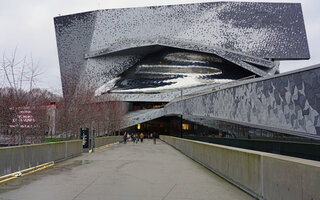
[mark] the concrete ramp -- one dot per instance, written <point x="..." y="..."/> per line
<point x="142" y="171"/>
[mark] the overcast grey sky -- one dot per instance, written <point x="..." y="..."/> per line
<point x="29" y="26"/>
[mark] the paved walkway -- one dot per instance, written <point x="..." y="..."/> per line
<point x="125" y="171"/>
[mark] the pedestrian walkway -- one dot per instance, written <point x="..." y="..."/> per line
<point x="124" y="171"/>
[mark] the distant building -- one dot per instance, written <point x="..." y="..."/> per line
<point x="33" y="123"/>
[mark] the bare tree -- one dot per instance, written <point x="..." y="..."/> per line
<point x="109" y="115"/>
<point x="80" y="108"/>
<point x="24" y="114"/>
<point x="22" y="107"/>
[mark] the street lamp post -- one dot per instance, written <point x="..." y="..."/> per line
<point x="181" y="135"/>
<point x="92" y="138"/>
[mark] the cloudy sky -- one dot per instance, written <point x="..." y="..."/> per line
<point x="28" y="25"/>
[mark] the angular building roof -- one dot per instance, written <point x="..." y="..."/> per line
<point x="105" y="43"/>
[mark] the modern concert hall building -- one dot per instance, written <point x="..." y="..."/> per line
<point x="197" y="69"/>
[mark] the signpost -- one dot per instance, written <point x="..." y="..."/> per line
<point x="84" y="136"/>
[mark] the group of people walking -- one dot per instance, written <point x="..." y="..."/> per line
<point x="134" y="137"/>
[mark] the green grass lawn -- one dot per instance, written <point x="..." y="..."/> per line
<point x="54" y="139"/>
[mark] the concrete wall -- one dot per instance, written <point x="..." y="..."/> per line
<point x="101" y="141"/>
<point x="264" y="175"/>
<point x="17" y="158"/>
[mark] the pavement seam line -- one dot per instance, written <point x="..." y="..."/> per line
<point x="169" y="192"/>
<point x="85" y="188"/>
<point x="106" y="146"/>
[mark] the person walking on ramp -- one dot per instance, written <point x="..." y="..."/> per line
<point x="125" y="138"/>
<point x="154" y="138"/>
<point x="141" y="137"/>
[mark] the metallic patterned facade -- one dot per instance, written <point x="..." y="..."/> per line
<point x="104" y="43"/>
<point x="152" y="54"/>
<point x="288" y="103"/>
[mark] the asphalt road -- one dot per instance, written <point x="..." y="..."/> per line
<point x="124" y="171"/>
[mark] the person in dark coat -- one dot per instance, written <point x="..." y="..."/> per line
<point x="141" y="137"/>
<point x="155" y="138"/>
<point x="125" y="138"/>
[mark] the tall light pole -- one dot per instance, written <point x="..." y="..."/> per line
<point x="92" y="139"/>
<point x="181" y="135"/>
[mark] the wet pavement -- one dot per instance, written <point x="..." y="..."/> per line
<point x="125" y="171"/>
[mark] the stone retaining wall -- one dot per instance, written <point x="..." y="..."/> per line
<point x="101" y="141"/>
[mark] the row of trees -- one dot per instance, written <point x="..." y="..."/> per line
<point x="80" y="108"/>
<point x="26" y="112"/>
